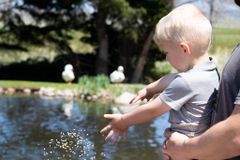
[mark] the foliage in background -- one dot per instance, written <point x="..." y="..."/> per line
<point x="47" y="47"/>
<point x="100" y="84"/>
<point x="117" y="89"/>
<point x="135" y="54"/>
<point x="42" y="30"/>
<point x="225" y="38"/>
<point x="93" y="84"/>
<point x="160" y="69"/>
<point x="77" y="44"/>
<point x="224" y="41"/>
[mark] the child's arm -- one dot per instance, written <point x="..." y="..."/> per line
<point x="120" y="122"/>
<point x="155" y="87"/>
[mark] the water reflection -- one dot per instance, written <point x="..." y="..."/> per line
<point x="68" y="108"/>
<point x="32" y="127"/>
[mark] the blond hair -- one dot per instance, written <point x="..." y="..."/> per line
<point x="185" y="23"/>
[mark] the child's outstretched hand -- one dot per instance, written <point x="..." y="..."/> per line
<point x="116" y="135"/>
<point x="117" y="128"/>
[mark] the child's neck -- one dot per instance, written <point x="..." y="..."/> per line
<point x="199" y="60"/>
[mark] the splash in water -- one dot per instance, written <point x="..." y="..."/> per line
<point x="70" y="145"/>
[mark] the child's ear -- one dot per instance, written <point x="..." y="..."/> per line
<point x="185" y="47"/>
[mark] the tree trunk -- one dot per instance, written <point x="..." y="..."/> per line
<point x="102" y="58"/>
<point x="142" y="58"/>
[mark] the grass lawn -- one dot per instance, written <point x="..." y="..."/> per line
<point x="225" y="38"/>
<point x="223" y="42"/>
<point x="33" y="84"/>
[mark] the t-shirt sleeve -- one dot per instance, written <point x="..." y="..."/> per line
<point x="177" y="93"/>
<point x="237" y="100"/>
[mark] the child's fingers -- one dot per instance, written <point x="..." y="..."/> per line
<point x="109" y="116"/>
<point x="116" y="136"/>
<point x="106" y="128"/>
<point x="124" y="136"/>
<point x="133" y="100"/>
<point x="109" y="136"/>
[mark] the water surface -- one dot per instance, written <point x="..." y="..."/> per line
<point x="34" y="128"/>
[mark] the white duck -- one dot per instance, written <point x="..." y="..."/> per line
<point x="67" y="74"/>
<point x="117" y="76"/>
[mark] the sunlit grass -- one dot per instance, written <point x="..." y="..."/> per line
<point x="225" y="39"/>
<point x="34" y="84"/>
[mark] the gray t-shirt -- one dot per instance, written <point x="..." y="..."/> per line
<point x="191" y="96"/>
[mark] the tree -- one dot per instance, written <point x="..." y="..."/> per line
<point x="34" y="26"/>
<point x="160" y="9"/>
<point x="111" y="16"/>
<point x="117" y="31"/>
<point x="122" y="30"/>
<point x="142" y="58"/>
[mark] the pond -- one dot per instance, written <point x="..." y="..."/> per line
<point x="34" y="128"/>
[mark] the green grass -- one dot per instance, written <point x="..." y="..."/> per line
<point x="33" y="84"/>
<point x="101" y="83"/>
<point x="225" y="39"/>
<point x="93" y="84"/>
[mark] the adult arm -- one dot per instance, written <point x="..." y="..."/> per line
<point x="221" y="141"/>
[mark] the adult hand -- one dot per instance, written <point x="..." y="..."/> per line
<point x="174" y="146"/>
